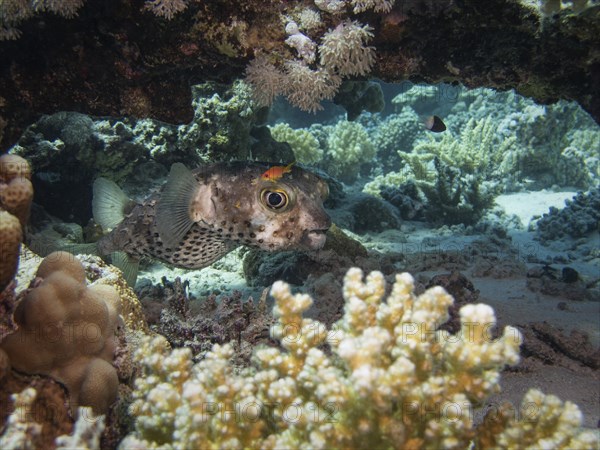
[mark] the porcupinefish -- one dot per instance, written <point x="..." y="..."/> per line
<point x="199" y="216"/>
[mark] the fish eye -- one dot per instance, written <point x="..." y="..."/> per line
<point x="276" y="199"/>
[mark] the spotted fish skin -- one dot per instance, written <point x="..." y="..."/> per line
<point x="228" y="206"/>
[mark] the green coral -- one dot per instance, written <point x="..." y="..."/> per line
<point x="397" y="132"/>
<point x="348" y="146"/>
<point x="387" y="380"/>
<point x="304" y="145"/>
<point x="374" y="186"/>
<point x="476" y="151"/>
<point x="223" y="119"/>
<point x="454" y="198"/>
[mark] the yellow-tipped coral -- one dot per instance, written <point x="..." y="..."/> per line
<point x="391" y="380"/>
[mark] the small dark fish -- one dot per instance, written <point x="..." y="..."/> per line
<point x="199" y="216"/>
<point x="435" y="124"/>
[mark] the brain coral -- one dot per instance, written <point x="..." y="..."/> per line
<point x="67" y="331"/>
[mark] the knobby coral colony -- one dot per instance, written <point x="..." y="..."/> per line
<point x="382" y="377"/>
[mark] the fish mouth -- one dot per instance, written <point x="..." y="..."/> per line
<point x="315" y="239"/>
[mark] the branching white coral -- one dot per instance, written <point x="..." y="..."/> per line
<point x="331" y="6"/>
<point x="392" y="379"/>
<point x="305" y="47"/>
<point x="165" y="8"/>
<point x="376" y="5"/>
<point x="21" y="429"/>
<point x="66" y="8"/>
<point x="344" y="49"/>
<point x="305" y="87"/>
<point x="267" y="81"/>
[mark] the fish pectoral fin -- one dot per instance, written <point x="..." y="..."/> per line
<point x="173" y="218"/>
<point x="129" y="266"/>
<point x="109" y="203"/>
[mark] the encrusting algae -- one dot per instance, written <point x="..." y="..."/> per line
<point x="381" y="377"/>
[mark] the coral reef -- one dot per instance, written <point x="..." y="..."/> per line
<point x="388" y="371"/>
<point x="220" y="128"/>
<point x="86" y="432"/>
<point x="68" y="150"/>
<point x="21" y="430"/>
<point x="348" y="145"/>
<point x="553" y="346"/>
<point x="34" y="412"/>
<point x="362" y="213"/>
<point x="304" y="145"/>
<point x="67" y="331"/>
<point x="551" y="424"/>
<point x="568" y="284"/>
<point x="359" y="96"/>
<point x="228" y="318"/>
<point x="453" y="199"/>
<point x="396" y="133"/>
<point x="340" y="251"/>
<point x="476" y="151"/>
<point x="579" y="217"/>
<point x="153" y="55"/>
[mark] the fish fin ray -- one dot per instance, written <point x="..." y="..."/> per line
<point x="82" y="249"/>
<point x="173" y="219"/>
<point x="129" y="266"/>
<point x="109" y="203"/>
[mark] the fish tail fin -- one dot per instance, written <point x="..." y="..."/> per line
<point x="289" y="166"/>
<point x="173" y="219"/>
<point x="129" y="266"/>
<point x="109" y="203"/>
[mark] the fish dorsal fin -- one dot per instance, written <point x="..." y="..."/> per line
<point x="109" y="203"/>
<point x="173" y="216"/>
<point x="128" y="266"/>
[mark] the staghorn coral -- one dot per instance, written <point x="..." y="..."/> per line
<point x="476" y="151"/>
<point x="390" y="380"/>
<point x="454" y="199"/>
<point x="67" y="330"/>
